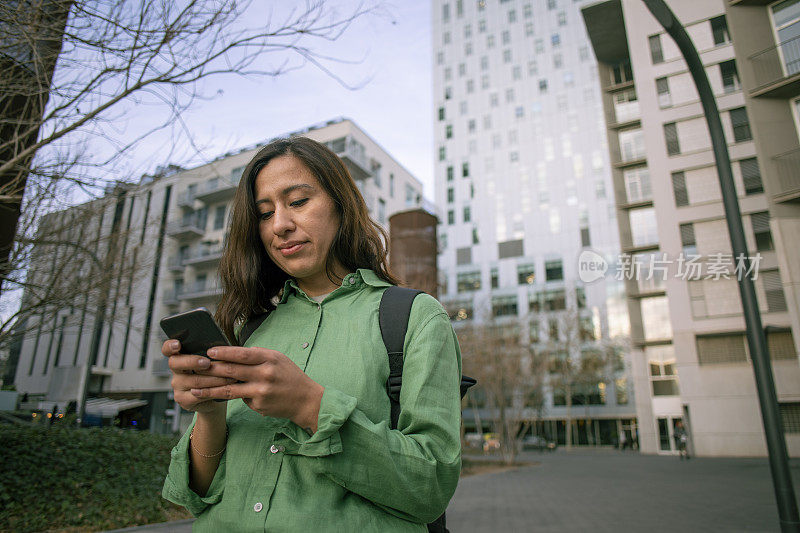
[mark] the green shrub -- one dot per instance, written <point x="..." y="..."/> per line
<point x="92" y="479"/>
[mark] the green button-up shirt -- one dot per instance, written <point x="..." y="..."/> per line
<point x="354" y="473"/>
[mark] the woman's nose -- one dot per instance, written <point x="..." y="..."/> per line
<point x="282" y="221"/>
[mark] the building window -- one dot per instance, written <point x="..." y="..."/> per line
<point x="553" y="270"/>
<point x="558" y="61"/>
<point x="773" y="292"/>
<point x="763" y="236"/>
<point x="442" y="153"/>
<point x="462" y="107"/>
<point x="519" y="111"/>
<point x="740" y="124"/>
<point x="451" y="217"/>
<point x="555" y="40"/>
<point x="450" y="195"/>
<point x="688" y="241"/>
<point x="637" y="185"/>
<point x="513" y="156"/>
<point x="656" y="53"/>
<point x="528" y="29"/>
<point x="449" y="173"/>
<point x="465" y="169"/>
<point x="512" y="15"/>
<point x="543" y="86"/>
<point x="621" y="72"/>
<point x="555" y="300"/>
<point x="482" y="26"/>
<point x="516" y="73"/>
<point x="448" y="131"/>
<point x="494" y="278"/>
<point x="664" y="97"/>
<point x="505" y="37"/>
<point x="585" y="237"/>
<point x="790" y="415"/>
<point x="631" y="144"/>
<point x="381" y="211"/>
<point x="562" y="19"/>
<point x="475" y="239"/>
<point x="391" y="185"/>
<point x="446" y="37"/>
<point x="441" y="113"/>
<point x="484" y="63"/>
<point x="730" y="76"/>
<point x="721" y="349"/>
<point x="719" y="28"/>
<point x="538" y="46"/>
<point x="468" y="281"/>
<point x="751" y="176"/>
<point x="490" y="41"/>
<point x="470" y="86"/>
<point x="679" y="189"/>
<point x="219" y="217"/>
<point x="644" y="230"/>
<point x="671" y="136"/>
<point x="471" y="125"/>
<point x="446" y="13"/>
<point x="551" y="4"/>
<point x="509" y="249"/>
<point x="464" y="256"/>
<point x="525" y="274"/>
<point x="467" y="214"/>
<point x="663" y="374"/>
<point x="504" y="306"/>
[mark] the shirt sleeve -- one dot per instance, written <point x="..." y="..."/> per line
<point x="176" y="485"/>
<point x="410" y="472"/>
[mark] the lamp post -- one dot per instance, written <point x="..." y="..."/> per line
<point x="756" y="339"/>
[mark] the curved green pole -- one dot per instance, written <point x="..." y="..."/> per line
<point x="762" y="367"/>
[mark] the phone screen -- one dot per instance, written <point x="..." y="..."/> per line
<point x="196" y="331"/>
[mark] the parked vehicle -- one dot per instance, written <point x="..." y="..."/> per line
<point x="537" y="442"/>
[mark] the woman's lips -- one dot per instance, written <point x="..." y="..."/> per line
<point x="292" y="249"/>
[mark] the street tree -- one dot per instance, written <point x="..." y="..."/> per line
<point x="75" y="74"/>
<point x="496" y="350"/>
<point x="582" y="362"/>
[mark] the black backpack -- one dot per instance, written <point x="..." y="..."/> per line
<point x="393" y="313"/>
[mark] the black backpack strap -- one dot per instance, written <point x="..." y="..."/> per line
<point x="250" y="326"/>
<point x="393" y="313"/>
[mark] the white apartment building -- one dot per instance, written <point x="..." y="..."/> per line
<point x="691" y="359"/>
<point x="169" y="232"/>
<point x="524" y="185"/>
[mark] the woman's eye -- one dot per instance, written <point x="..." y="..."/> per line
<point x="298" y="203"/>
<point x="265" y="215"/>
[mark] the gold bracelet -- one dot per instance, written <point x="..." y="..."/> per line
<point x="212" y="455"/>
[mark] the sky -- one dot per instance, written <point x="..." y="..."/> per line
<point x="393" y="104"/>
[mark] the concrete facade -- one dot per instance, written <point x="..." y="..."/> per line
<point x="691" y="355"/>
<point x="170" y="231"/>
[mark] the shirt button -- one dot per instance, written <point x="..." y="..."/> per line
<point x="273" y="449"/>
<point x="257" y="507"/>
<point x="352" y="281"/>
<point x="305" y="345"/>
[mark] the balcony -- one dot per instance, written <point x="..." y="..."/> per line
<point x="186" y="199"/>
<point x="175" y="263"/>
<point x="200" y="290"/>
<point x="203" y="256"/>
<point x="170" y="297"/>
<point x="352" y="153"/>
<point x="776" y="70"/>
<point x="161" y="367"/>
<point x="625" y="114"/>
<point x="217" y="190"/>
<point x="787" y="166"/>
<point x="185" y="228"/>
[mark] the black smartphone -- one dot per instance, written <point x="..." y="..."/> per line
<point x="196" y="331"/>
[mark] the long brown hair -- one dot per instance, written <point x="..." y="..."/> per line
<point x="250" y="280"/>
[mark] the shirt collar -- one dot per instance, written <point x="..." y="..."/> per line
<point x="353" y="280"/>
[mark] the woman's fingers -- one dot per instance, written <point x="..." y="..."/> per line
<point x="171" y="347"/>
<point x="189" y="363"/>
<point x="198" y="381"/>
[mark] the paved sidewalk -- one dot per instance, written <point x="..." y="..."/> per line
<point x="608" y="490"/>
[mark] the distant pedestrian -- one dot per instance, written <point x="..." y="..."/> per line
<point x="681" y="440"/>
<point x="623" y="440"/>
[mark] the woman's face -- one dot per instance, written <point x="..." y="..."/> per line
<point x="297" y="222"/>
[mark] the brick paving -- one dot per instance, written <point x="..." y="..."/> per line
<point x="608" y="490"/>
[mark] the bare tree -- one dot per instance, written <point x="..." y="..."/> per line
<point x="580" y="365"/>
<point x="497" y="352"/>
<point x="74" y="72"/>
<point x="72" y="267"/>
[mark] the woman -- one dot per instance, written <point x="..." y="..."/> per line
<point x="303" y="442"/>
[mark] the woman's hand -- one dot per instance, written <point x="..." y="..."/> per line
<point x="188" y="372"/>
<point x="268" y="382"/>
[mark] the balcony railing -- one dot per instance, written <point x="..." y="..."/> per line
<point x="217" y="190"/>
<point x="184" y="228"/>
<point x="186" y="199"/>
<point x="204" y="254"/>
<point x="200" y="289"/>
<point x="626" y="111"/>
<point x="776" y="64"/>
<point x="787" y="166"/>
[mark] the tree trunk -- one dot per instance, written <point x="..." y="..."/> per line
<point x="568" y="389"/>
